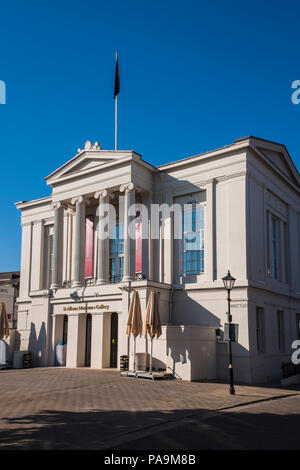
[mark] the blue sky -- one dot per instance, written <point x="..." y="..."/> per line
<point x="195" y="75"/>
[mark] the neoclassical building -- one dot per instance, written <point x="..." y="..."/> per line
<point x="240" y="210"/>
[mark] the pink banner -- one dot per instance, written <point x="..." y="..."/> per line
<point x="89" y="246"/>
<point x="138" y="243"/>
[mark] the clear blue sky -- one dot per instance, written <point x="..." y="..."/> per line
<point x="194" y="75"/>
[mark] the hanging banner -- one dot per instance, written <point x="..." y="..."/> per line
<point x="89" y="246"/>
<point x="138" y="243"/>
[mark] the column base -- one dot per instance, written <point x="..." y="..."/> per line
<point x="127" y="279"/>
<point x="76" y="284"/>
<point x="55" y="286"/>
<point x="101" y="282"/>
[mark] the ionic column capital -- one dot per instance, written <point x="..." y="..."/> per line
<point x="78" y="200"/>
<point x="58" y="205"/>
<point x="100" y="194"/>
<point x="126" y="187"/>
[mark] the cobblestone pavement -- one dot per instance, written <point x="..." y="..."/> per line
<point x="58" y="408"/>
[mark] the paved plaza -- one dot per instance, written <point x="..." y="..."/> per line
<point x="58" y="408"/>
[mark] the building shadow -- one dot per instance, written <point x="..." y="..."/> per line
<point x="188" y="429"/>
<point x="37" y="345"/>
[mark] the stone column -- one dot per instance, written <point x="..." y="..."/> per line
<point x="57" y="246"/>
<point x="167" y="239"/>
<point x="150" y="240"/>
<point x="129" y="232"/>
<point x="102" y="255"/>
<point x="79" y="241"/>
<point x="76" y="340"/>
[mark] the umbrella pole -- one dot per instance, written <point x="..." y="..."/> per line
<point x="134" y="356"/>
<point x="150" y="368"/>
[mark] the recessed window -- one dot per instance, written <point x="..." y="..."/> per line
<point x="193" y="239"/>
<point x="275" y="247"/>
<point x="280" y="330"/>
<point x="116" y="253"/>
<point x="48" y="256"/>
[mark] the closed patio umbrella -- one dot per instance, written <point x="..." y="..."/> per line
<point x="134" y="322"/>
<point x="4" y="329"/>
<point x="152" y="325"/>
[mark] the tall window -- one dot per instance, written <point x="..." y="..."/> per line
<point x="260" y="329"/>
<point x="298" y="324"/>
<point x="280" y="330"/>
<point x="48" y="256"/>
<point x="193" y="239"/>
<point x="89" y="246"/>
<point x="275" y="247"/>
<point x="116" y="253"/>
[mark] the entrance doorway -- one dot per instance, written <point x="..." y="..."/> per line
<point x="88" y="338"/>
<point x="114" y="340"/>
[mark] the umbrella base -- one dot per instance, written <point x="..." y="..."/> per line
<point x="154" y="375"/>
<point x="128" y="373"/>
<point x="148" y="375"/>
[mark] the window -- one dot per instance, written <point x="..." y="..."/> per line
<point x="280" y="330"/>
<point x="193" y="239"/>
<point x="48" y="256"/>
<point x="298" y="324"/>
<point x="260" y="329"/>
<point x="89" y="246"/>
<point x="116" y="253"/>
<point x="275" y="247"/>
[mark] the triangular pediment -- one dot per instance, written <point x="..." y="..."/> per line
<point x="86" y="162"/>
<point x="277" y="156"/>
<point x="279" y="160"/>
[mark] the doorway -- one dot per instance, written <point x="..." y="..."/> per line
<point x="114" y="340"/>
<point x="88" y="338"/>
<point x="65" y="330"/>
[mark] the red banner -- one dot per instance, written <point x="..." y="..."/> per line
<point x="138" y="243"/>
<point x="89" y="246"/>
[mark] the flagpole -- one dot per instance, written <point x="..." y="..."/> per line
<point x="116" y="122"/>
<point x="117" y="88"/>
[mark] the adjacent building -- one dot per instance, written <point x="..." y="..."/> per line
<point x="9" y="291"/>
<point x="239" y="210"/>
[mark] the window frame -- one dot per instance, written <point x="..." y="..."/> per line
<point x="117" y="256"/>
<point x="280" y="330"/>
<point x="201" y="236"/>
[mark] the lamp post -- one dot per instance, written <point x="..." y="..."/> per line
<point x="228" y="284"/>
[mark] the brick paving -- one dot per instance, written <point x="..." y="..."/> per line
<point x="58" y="408"/>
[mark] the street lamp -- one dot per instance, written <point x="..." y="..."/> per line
<point x="228" y="284"/>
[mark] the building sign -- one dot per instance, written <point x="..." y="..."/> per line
<point x="84" y="308"/>
<point x="89" y="246"/>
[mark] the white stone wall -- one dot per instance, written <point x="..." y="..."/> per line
<point x="239" y="185"/>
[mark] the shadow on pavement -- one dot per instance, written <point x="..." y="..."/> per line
<point x="194" y="430"/>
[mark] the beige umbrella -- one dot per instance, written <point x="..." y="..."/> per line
<point x="134" y="323"/>
<point x="4" y="328"/>
<point x="152" y="324"/>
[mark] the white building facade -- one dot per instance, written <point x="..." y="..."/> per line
<point x="239" y="210"/>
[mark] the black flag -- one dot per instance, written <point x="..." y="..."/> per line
<point x="117" y="78"/>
